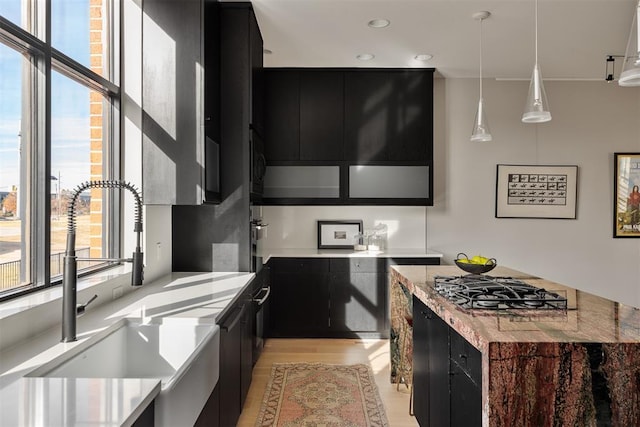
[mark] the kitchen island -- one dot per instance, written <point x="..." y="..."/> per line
<point x="578" y="366"/>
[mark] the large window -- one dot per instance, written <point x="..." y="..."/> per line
<point x="58" y="129"/>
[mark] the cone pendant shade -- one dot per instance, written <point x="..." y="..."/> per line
<point x="481" y="131"/>
<point x="630" y="75"/>
<point x="536" y="110"/>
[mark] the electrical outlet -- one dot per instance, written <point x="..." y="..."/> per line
<point x="117" y="292"/>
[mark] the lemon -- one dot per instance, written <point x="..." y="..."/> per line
<point x="479" y="260"/>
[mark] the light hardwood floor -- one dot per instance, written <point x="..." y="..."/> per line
<point x="338" y="351"/>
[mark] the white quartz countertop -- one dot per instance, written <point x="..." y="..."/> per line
<point x="105" y="402"/>
<point x="268" y="253"/>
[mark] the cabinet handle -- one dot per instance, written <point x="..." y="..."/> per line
<point x="261" y="301"/>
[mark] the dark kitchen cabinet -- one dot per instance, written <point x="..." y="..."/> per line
<point x="211" y="49"/>
<point x="236" y="359"/>
<point x="358" y="297"/>
<point x="282" y="113"/>
<point x="369" y="115"/>
<point x="328" y="297"/>
<point x="446" y="373"/>
<point x="257" y="81"/>
<point x="242" y="101"/>
<point x="304" y="115"/>
<point x="299" y="304"/>
<point x="388" y="115"/>
<point x="216" y="237"/>
<point x="321" y="115"/>
<point x="210" y="415"/>
<point x="170" y="120"/>
<point x="378" y="119"/>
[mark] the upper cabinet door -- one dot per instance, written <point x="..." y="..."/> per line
<point x="370" y="119"/>
<point x="414" y="111"/>
<point x="257" y="75"/>
<point x="321" y="115"/>
<point x="388" y="115"/>
<point x="282" y="114"/>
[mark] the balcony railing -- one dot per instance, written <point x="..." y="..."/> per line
<point x="10" y="271"/>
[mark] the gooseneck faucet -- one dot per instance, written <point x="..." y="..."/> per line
<point x="70" y="309"/>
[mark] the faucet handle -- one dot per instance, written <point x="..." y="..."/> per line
<point x="81" y="308"/>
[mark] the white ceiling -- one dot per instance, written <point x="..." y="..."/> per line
<point x="574" y="36"/>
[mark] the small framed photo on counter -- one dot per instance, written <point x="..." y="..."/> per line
<point x="626" y="214"/>
<point x="338" y="234"/>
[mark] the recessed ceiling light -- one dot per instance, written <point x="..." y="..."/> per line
<point x="366" y="56"/>
<point x="423" y="57"/>
<point x="379" y="23"/>
<point x="267" y="51"/>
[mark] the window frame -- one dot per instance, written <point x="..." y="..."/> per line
<point x="44" y="58"/>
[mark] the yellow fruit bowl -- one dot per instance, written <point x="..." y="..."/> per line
<point x="475" y="265"/>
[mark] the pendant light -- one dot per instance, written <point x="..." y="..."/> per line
<point x="536" y="110"/>
<point x="630" y="75"/>
<point x="481" y="131"/>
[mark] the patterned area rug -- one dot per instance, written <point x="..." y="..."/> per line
<point x="321" y="395"/>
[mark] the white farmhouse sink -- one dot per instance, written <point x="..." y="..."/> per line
<point x="182" y="353"/>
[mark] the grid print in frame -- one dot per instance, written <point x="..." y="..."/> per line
<point x="529" y="191"/>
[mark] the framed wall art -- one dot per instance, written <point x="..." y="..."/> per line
<point x="524" y="191"/>
<point x="338" y="234"/>
<point x="626" y="193"/>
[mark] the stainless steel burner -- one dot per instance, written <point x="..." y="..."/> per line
<point x="497" y="293"/>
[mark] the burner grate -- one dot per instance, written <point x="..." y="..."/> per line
<point x="496" y="293"/>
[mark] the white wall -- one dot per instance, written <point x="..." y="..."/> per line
<point x="591" y="121"/>
<point x="296" y="227"/>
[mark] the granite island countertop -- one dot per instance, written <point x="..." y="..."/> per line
<point x="105" y="401"/>
<point x="561" y="356"/>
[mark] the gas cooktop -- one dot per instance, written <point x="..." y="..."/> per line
<point x="496" y="293"/>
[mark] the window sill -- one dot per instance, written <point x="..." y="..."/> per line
<point x="26" y="316"/>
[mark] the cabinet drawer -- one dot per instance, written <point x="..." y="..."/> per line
<point x="299" y="265"/>
<point x="358" y="265"/>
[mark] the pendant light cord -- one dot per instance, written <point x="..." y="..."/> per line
<point x="481" y="58"/>
<point x="536" y="22"/>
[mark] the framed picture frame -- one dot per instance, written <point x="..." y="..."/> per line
<point x="528" y="191"/>
<point x="626" y="195"/>
<point x="338" y="234"/>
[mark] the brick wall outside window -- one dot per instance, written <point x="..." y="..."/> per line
<point x="96" y="118"/>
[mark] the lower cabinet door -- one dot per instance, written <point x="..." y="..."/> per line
<point x="246" y="352"/>
<point x="438" y="348"/>
<point x="430" y="367"/>
<point x="231" y="367"/>
<point x="299" y="304"/>
<point x="466" y="399"/>
<point x="358" y="303"/>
